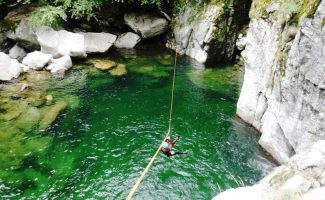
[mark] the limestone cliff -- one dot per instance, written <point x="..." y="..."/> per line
<point x="283" y="94"/>
<point x="207" y="30"/>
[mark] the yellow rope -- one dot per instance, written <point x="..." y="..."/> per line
<point x="136" y="185"/>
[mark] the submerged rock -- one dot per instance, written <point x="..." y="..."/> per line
<point x="127" y="40"/>
<point x="301" y="178"/>
<point x="119" y="70"/>
<point x="9" y="68"/>
<point x="36" y="60"/>
<point x="98" y="42"/>
<point x="29" y="119"/>
<point x="17" y="52"/>
<point x="50" y="114"/>
<point x="60" y="65"/>
<point x="60" y="43"/>
<point x="105" y="64"/>
<point x="147" y="25"/>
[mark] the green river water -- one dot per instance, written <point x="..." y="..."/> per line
<point x="112" y="125"/>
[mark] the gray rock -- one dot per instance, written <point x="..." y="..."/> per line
<point x="60" y="65"/>
<point x="147" y="25"/>
<point x="24" y="35"/>
<point x="36" y="60"/>
<point x="127" y="40"/>
<point x="9" y="68"/>
<point x="291" y="80"/>
<point x="290" y="181"/>
<point x="98" y="42"/>
<point x="60" y="43"/>
<point x="17" y="52"/>
<point x="241" y="42"/>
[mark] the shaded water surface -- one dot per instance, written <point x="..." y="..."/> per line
<point x="99" y="145"/>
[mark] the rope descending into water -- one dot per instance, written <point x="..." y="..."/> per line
<point x="136" y="185"/>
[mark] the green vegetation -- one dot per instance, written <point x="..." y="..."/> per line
<point x="296" y="9"/>
<point x="54" y="13"/>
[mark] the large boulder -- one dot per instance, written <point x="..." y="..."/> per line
<point x="302" y="178"/>
<point x="24" y="35"/>
<point x="9" y="68"/>
<point x="16" y="22"/>
<point x="127" y="40"/>
<point x="60" y="65"/>
<point x="36" y="60"/>
<point x="17" y="52"/>
<point x="60" y="43"/>
<point x="98" y="42"/>
<point x="147" y="25"/>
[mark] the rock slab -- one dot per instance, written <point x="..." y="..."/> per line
<point x="127" y="40"/>
<point x="60" y="43"/>
<point x="147" y="25"/>
<point x="98" y="42"/>
<point x="36" y="60"/>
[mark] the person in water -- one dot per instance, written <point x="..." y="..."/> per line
<point x="167" y="147"/>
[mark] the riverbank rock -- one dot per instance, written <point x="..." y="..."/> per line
<point x="283" y="90"/>
<point x="36" y="60"/>
<point x="98" y="42"/>
<point x="127" y="40"/>
<point x="60" y="43"/>
<point x="24" y="35"/>
<point x="60" y="65"/>
<point x="17" y="52"/>
<point x="9" y="68"/>
<point x="147" y="25"/>
<point x="302" y="178"/>
<point x="208" y="33"/>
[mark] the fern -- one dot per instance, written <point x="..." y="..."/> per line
<point x="48" y="16"/>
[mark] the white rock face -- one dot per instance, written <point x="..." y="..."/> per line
<point x="36" y="60"/>
<point x="17" y="52"/>
<point x="127" y="40"/>
<point x="98" y="42"/>
<point x="283" y="92"/>
<point x="299" y="179"/>
<point x="147" y="25"/>
<point x="9" y="68"/>
<point x="60" y="43"/>
<point x="24" y="35"/>
<point x="60" y="65"/>
<point x="192" y="38"/>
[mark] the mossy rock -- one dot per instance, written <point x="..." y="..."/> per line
<point x="105" y="64"/>
<point x="15" y="110"/>
<point x="35" y="98"/>
<point x="29" y="119"/>
<point x="50" y="113"/>
<point x="119" y="70"/>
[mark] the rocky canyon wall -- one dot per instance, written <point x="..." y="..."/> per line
<point x="283" y="94"/>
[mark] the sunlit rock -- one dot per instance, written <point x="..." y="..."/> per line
<point x="60" y="65"/>
<point x="36" y="60"/>
<point x="60" y="43"/>
<point x="98" y="42"/>
<point x="9" y="68"/>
